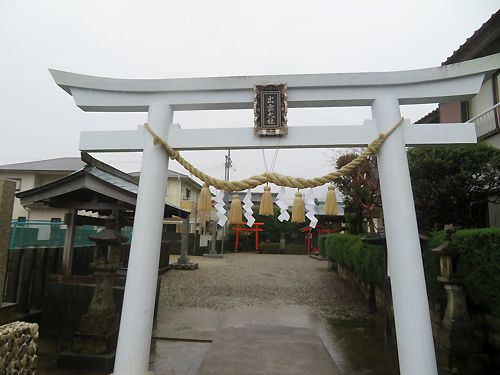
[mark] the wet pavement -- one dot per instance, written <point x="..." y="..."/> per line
<point x="283" y="293"/>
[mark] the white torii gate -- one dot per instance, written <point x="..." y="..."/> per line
<point x="384" y="92"/>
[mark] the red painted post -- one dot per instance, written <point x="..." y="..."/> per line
<point x="237" y="237"/>
<point x="257" y="239"/>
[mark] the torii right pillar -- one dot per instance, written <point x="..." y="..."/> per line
<point x="411" y="307"/>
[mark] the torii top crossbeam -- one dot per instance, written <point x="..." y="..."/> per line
<point x="384" y="92"/>
<point x="451" y="82"/>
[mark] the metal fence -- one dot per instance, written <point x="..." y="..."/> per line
<point x="39" y="233"/>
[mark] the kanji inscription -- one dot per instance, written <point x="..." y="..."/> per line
<point x="270" y="109"/>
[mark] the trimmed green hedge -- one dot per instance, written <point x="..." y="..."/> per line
<point x="478" y="264"/>
<point x="478" y="267"/>
<point x="269" y="247"/>
<point x="367" y="261"/>
<point x="321" y="245"/>
<point x="296" y="249"/>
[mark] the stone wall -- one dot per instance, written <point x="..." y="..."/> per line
<point x="18" y="347"/>
<point x="473" y="349"/>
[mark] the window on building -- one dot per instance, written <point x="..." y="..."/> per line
<point x="21" y="219"/>
<point x="188" y="194"/>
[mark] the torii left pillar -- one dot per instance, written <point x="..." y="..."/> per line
<point x="134" y="340"/>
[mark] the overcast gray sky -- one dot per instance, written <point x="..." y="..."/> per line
<point x="165" y="39"/>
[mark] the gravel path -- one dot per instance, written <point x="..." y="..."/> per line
<point x="255" y="279"/>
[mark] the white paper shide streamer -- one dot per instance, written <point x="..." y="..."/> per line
<point x="247" y="206"/>
<point x="309" y="206"/>
<point x="219" y="206"/>
<point x="283" y="205"/>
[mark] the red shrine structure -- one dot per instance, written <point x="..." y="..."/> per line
<point x="312" y="235"/>
<point x="243" y="227"/>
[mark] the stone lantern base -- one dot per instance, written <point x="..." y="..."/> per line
<point x="98" y="337"/>
<point x="94" y="343"/>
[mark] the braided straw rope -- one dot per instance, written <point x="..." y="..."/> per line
<point x="273" y="177"/>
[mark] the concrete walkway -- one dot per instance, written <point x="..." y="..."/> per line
<point x="248" y="314"/>
<point x="270" y="350"/>
<point x="241" y="340"/>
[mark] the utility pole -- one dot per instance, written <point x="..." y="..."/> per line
<point x="196" y="237"/>
<point x="227" y="166"/>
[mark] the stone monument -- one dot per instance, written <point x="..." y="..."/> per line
<point x="183" y="262"/>
<point x="7" y="190"/>
<point x="212" y="250"/>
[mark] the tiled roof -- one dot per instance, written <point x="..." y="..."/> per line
<point x="485" y="41"/>
<point x="49" y="165"/>
<point x="430" y="118"/>
<point x="109" y="180"/>
<point x="112" y="179"/>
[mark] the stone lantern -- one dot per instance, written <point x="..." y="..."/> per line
<point x="447" y="260"/>
<point x="456" y="314"/>
<point x="459" y="349"/>
<point x="97" y="333"/>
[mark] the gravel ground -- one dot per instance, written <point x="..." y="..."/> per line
<point x="258" y="279"/>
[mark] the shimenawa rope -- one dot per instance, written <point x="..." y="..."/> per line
<point x="273" y="177"/>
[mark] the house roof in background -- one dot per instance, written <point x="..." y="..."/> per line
<point x="485" y="41"/>
<point x="109" y="185"/>
<point x="48" y="165"/>
<point x="430" y="118"/>
<point x="171" y="174"/>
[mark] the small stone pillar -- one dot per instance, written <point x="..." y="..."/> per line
<point x="456" y="315"/>
<point x="7" y="191"/>
<point x="212" y="252"/>
<point x="183" y="261"/>
<point x="282" y="243"/>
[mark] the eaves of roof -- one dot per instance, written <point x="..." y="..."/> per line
<point x="61" y="165"/>
<point x="484" y="41"/>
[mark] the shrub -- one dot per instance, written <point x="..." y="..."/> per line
<point x="269" y="247"/>
<point x="479" y="266"/>
<point x="367" y="261"/>
<point x="322" y="245"/>
<point x="246" y="241"/>
<point x="296" y="248"/>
